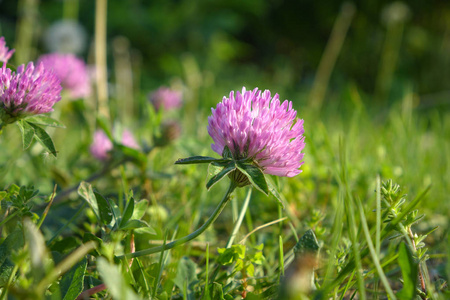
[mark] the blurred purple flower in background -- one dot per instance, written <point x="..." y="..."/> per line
<point x="128" y="140"/>
<point x="165" y="97"/>
<point x="28" y="91"/>
<point x="5" y="55"/>
<point x="102" y="145"/>
<point x="256" y="126"/>
<point x="72" y="72"/>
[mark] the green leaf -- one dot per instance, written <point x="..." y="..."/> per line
<point x="307" y="243"/>
<point x="186" y="273"/>
<point x="45" y="121"/>
<point x="196" y="160"/>
<point x="37" y="248"/>
<point x="104" y="208"/>
<point x="11" y="244"/>
<point x="255" y="175"/>
<point x="229" y="255"/>
<point x="114" y="281"/>
<point x="128" y="212"/>
<point x="216" y="291"/>
<point x="139" y="209"/>
<point x="135" y="154"/>
<point x="42" y="137"/>
<point x="102" y="122"/>
<point x="27" y="132"/>
<point x="409" y="273"/>
<point x="274" y="191"/>
<point x="145" y="230"/>
<point x="72" y="283"/>
<point x="132" y="224"/>
<point x="85" y="191"/>
<point x="230" y="167"/>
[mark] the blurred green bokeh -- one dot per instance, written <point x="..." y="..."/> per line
<point x="271" y="44"/>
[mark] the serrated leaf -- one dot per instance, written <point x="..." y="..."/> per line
<point x="44" y="139"/>
<point x="255" y="175"/>
<point x="196" y="160"/>
<point x="86" y="192"/>
<point x="409" y="273"/>
<point x="72" y="283"/>
<point x="27" y="132"/>
<point x="104" y="208"/>
<point x="45" y="121"/>
<point x="274" y="191"/>
<point x="230" y="167"/>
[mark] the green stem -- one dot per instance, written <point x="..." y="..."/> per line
<point x="2" y="125"/>
<point x="238" y="223"/>
<point x="8" y="283"/>
<point x="9" y="217"/>
<point x="188" y="237"/>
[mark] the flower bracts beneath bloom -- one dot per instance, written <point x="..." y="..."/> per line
<point x="256" y="126"/>
<point x="5" y="53"/>
<point x="72" y="72"/>
<point x="28" y="91"/>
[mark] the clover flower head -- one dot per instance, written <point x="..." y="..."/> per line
<point x="72" y="72"/>
<point x="28" y="91"/>
<point x="102" y="145"/>
<point x="254" y="125"/>
<point x="5" y="53"/>
<point x="166" y="97"/>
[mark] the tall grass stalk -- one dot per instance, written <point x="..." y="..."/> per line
<point x="100" y="57"/>
<point x="373" y="252"/>
<point x="332" y="50"/>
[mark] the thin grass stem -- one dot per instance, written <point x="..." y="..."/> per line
<point x="375" y="257"/>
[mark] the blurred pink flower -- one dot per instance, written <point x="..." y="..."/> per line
<point x="254" y="125"/>
<point x="28" y="91"/>
<point x="72" y="72"/>
<point x="166" y="97"/>
<point x="102" y="145"/>
<point x="128" y="140"/>
<point x="5" y="55"/>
